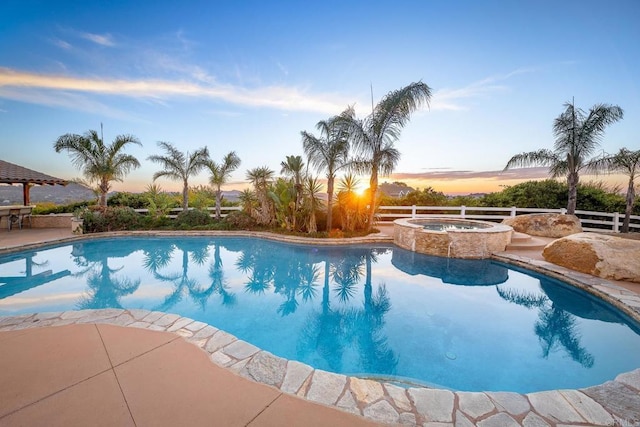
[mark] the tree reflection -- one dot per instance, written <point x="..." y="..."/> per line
<point x="555" y="327"/>
<point x="331" y="331"/>
<point x="105" y="287"/>
<point x="290" y="275"/>
<point x="192" y="250"/>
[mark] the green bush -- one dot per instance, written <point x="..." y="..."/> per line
<point x="51" y="208"/>
<point x="192" y="218"/>
<point x="111" y="219"/>
<point x="239" y="220"/>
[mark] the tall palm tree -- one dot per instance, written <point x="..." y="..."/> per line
<point x="261" y="177"/>
<point x="293" y="167"/>
<point x="99" y="162"/>
<point x="220" y="174"/>
<point x="577" y="135"/>
<point x="627" y="162"/>
<point x="177" y="166"/>
<point x="328" y="153"/>
<point x="373" y="137"/>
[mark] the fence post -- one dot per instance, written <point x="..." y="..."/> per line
<point x="413" y="211"/>
<point x="616" y="222"/>
<point x="513" y="210"/>
<point x="462" y="211"/>
<point x="563" y="211"/>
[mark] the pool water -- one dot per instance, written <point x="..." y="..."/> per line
<point x="374" y="311"/>
<point x="444" y="226"/>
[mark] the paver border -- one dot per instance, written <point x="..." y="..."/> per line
<point x="613" y="403"/>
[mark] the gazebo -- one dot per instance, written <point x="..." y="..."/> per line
<point x="14" y="174"/>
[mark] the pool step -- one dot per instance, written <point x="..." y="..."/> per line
<point x="523" y="241"/>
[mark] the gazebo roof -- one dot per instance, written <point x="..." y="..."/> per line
<point x="14" y="174"/>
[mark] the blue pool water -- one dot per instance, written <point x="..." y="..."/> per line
<point x="375" y="311"/>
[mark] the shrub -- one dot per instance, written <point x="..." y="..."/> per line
<point x="240" y="220"/>
<point x="47" y="208"/>
<point x="132" y="200"/>
<point x="110" y="219"/>
<point x="192" y="218"/>
<point x="336" y="233"/>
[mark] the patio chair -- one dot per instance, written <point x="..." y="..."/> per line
<point x="25" y="213"/>
<point x="14" y="217"/>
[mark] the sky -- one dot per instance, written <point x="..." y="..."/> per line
<point x="249" y="76"/>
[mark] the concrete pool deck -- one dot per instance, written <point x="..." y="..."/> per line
<point x="90" y="369"/>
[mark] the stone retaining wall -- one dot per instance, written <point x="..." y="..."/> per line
<point x="472" y="244"/>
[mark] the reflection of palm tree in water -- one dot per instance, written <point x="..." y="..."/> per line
<point x="555" y="327"/>
<point x="182" y="283"/>
<point x="218" y="283"/>
<point x="105" y="289"/>
<point x="289" y="276"/>
<point x="334" y="330"/>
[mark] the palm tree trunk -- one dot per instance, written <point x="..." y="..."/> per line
<point x="329" y="202"/>
<point x="104" y="189"/>
<point x="572" y="182"/>
<point x="185" y="196"/>
<point x="631" y="195"/>
<point x="373" y="188"/>
<point x="218" y="202"/>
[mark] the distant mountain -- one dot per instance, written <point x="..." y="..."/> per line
<point x="12" y="194"/>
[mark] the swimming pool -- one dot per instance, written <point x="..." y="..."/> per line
<point x="376" y="311"/>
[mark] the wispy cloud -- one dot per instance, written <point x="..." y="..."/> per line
<point x="101" y="39"/>
<point x="276" y="97"/>
<point x="453" y="99"/>
<point x="67" y="100"/>
<point x="61" y="44"/>
<point x="449" y="175"/>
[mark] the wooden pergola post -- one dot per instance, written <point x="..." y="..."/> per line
<point x="26" y="201"/>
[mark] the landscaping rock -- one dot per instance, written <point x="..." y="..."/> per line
<point x="545" y="225"/>
<point x="600" y="255"/>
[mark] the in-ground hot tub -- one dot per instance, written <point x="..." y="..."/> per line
<point x="455" y="238"/>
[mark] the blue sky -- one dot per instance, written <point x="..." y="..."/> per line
<point x="249" y="76"/>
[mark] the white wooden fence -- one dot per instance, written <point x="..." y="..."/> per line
<point x="224" y="211"/>
<point x="590" y="220"/>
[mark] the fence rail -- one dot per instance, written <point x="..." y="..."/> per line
<point x="590" y="220"/>
<point x="224" y="211"/>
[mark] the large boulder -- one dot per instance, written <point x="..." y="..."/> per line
<point x="545" y="224"/>
<point x="609" y="257"/>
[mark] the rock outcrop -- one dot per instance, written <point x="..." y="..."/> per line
<point x="609" y="257"/>
<point x="545" y="224"/>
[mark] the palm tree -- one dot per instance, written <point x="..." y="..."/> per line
<point x="373" y="138"/>
<point x="220" y="173"/>
<point x="99" y="162"/>
<point x="180" y="166"/>
<point x="248" y="200"/>
<point x="624" y="161"/>
<point x="293" y="167"/>
<point x="577" y="137"/>
<point x="311" y="190"/>
<point x="351" y="212"/>
<point x="261" y="177"/>
<point x="330" y="153"/>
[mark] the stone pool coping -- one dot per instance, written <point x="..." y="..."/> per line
<point x="615" y="402"/>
